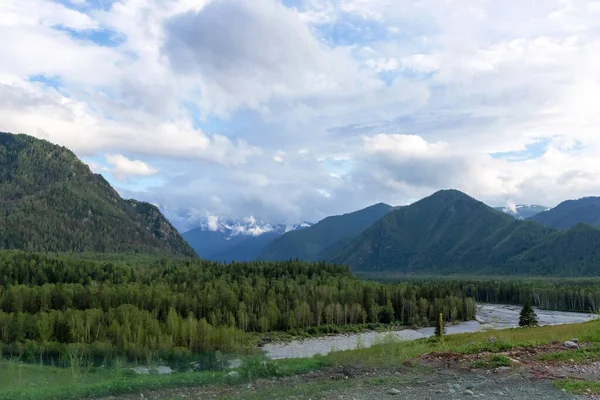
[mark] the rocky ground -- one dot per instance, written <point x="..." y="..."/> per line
<point x="433" y="376"/>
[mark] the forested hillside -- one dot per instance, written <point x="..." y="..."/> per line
<point x="148" y="308"/>
<point x="570" y="213"/>
<point x="325" y="238"/>
<point x="51" y="201"/>
<point x="450" y="232"/>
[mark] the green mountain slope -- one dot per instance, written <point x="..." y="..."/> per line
<point x="575" y="252"/>
<point x="326" y="237"/>
<point x="448" y="232"/>
<point x="51" y="201"/>
<point x="570" y="213"/>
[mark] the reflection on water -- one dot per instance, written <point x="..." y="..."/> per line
<point x="489" y="316"/>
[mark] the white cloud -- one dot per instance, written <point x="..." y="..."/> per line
<point x="402" y="146"/>
<point x="213" y="222"/>
<point x="215" y="104"/>
<point x="124" y="168"/>
<point x="279" y="157"/>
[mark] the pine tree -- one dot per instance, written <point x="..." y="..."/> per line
<point x="528" y="316"/>
<point x="440" y="329"/>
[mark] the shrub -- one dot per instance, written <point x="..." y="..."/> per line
<point x="255" y="368"/>
<point x="312" y="330"/>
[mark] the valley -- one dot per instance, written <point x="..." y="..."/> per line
<point x="94" y="287"/>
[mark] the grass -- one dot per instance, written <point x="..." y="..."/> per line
<point x="391" y="351"/>
<point x="578" y="387"/>
<point x="23" y="381"/>
<point x="583" y="354"/>
<point x="492" y="361"/>
<point x="34" y="382"/>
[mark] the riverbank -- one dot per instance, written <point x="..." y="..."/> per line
<point x="489" y="317"/>
<point x="368" y="371"/>
<point x="462" y="365"/>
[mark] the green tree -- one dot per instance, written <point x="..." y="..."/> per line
<point x="440" y="328"/>
<point x="528" y="316"/>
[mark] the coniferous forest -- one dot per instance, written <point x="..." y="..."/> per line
<point x="169" y="308"/>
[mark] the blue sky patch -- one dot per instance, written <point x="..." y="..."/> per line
<point x="352" y="31"/>
<point x="87" y="4"/>
<point x="101" y="37"/>
<point x="337" y="167"/>
<point x="51" y="81"/>
<point x="534" y="150"/>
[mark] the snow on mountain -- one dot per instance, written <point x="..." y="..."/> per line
<point x="247" y="226"/>
<point x="234" y="239"/>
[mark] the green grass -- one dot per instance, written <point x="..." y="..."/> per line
<point x="578" y="387"/>
<point x="492" y="361"/>
<point x="34" y="382"/>
<point x="392" y="352"/>
<point x="23" y="381"/>
<point x="581" y="355"/>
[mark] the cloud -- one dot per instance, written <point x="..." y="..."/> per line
<point x="124" y="168"/>
<point x="47" y="113"/>
<point x="402" y="146"/>
<point x="511" y="207"/>
<point x="268" y="53"/>
<point x="291" y="113"/>
<point x="279" y="157"/>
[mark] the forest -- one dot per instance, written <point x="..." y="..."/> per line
<point x="171" y="308"/>
<point x="100" y="307"/>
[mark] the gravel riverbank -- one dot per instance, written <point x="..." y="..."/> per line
<point x="489" y="316"/>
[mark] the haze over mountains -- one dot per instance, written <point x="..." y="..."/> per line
<point x="228" y="240"/>
<point x="522" y="211"/>
<point x="51" y="201"/>
<point x="326" y="237"/>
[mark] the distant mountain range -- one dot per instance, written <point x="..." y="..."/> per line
<point x="570" y="213"/>
<point x="326" y="237"/>
<point x="51" y="201"/>
<point x="450" y="232"/>
<point x="227" y="239"/>
<point x="522" y="211"/>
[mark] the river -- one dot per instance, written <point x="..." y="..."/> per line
<point x="489" y="316"/>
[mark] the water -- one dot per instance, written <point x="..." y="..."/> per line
<point x="489" y="316"/>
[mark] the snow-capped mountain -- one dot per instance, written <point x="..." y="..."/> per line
<point x="522" y="211"/>
<point x="248" y="226"/>
<point x="235" y="239"/>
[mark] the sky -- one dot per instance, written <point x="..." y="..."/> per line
<point x="292" y="110"/>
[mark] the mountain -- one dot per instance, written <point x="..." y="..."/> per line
<point x="51" y="201"/>
<point x="570" y="213"/>
<point x="324" y="238"/>
<point x="576" y="251"/>
<point x="229" y="240"/>
<point x="448" y="232"/>
<point x="522" y="211"/>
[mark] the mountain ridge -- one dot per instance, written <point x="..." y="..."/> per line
<point x="450" y="232"/>
<point x="51" y="201"/>
<point x="522" y="211"/>
<point x="229" y="239"/>
<point x="326" y="236"/>
<point x="570" y="213"/>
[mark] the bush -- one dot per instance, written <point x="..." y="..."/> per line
<point x="312" y="330"/>
<point x="255" y="368"/>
